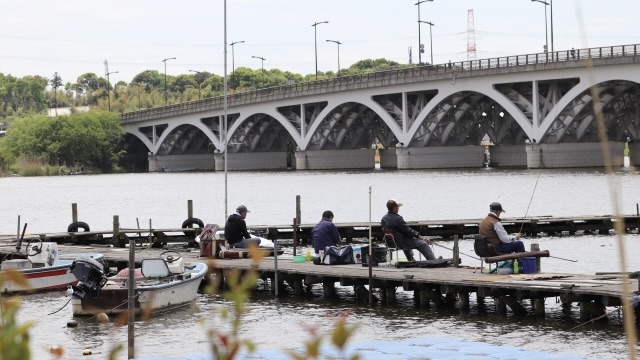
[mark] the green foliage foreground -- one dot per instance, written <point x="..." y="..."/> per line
<point x="90" y="139"/>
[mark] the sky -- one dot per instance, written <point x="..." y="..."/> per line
<point x="73" y="37"/>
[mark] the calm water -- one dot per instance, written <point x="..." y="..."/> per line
<point x="45" y="204"/>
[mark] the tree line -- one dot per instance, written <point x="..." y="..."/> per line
<point x="36" y="94"/>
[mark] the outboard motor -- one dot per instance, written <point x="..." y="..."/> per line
<point x="90" y="275"/>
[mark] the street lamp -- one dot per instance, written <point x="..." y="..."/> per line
<point x="337" y="43"/>
<point x="109" y="87"/>
<point x="261" y="58"/>
<point x="233" y="62"/>
<point x="166" y="94"/>
<point x="431" y="25"/>
<point x="420" y="48"/>
<point x="546" y="36"/>
<point x="138" y="86"/>
<point x="315" y="38"/>
<point x="199" y="84"/>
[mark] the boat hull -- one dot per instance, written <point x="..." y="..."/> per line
<point x="48" y="278"/>
<point x="151" y="296"/>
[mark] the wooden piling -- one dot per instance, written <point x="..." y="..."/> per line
<point x="189" y="209"/>
<point x="74" y="212"/>
<point x="536" y="247"/>
<point x="538" y="307"/>
<point x="456" y="251"/>
<point x="116" y="230"/>
<point x="463" y="296"/>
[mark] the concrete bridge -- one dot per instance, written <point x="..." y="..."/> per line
<point x="535" y="110"/>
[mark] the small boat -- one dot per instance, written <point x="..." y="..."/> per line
<point x="43" y="267"/>
<point x="161" y="284"/>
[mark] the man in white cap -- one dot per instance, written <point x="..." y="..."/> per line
<point x="235" y="230"/>
<point x="406" y="238"/>
<point x="491" y="229"/>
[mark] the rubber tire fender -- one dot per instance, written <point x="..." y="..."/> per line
<point x="73" y="227"/>
<point x="190" y="222"/>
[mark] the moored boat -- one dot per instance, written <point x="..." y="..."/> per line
<point x="43" y="268"/>
<point x="161" y="284"/>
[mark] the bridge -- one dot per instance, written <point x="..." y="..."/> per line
<point x="533" y="110"/>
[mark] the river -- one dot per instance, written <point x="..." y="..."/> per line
<point x="45" y="204"/>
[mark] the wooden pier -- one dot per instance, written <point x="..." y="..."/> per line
<point x="449" y="287"/>
<point x="532" y="226"/>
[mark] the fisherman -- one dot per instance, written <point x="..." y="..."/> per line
<point x="235" y="230"/>
<point x="491" y="229"/>
<point x="406" y="238"/>
<point x="325" y="233"/>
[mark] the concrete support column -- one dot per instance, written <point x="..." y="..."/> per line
<point x="153" y="164"/>
<point x="572" y="155"/>
<point x="443" y="157"/>
<point x="634" y="154"/>
<point x="508" y="156"/>
<point x="388" y="159"/>
<point x="301" y="160"/>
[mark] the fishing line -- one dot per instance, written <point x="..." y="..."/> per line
<point x="461" y="253"/>
<point x="530" y="200"/>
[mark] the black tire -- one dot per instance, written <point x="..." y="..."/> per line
<point x="189" y="224"/>
<point x="74" y="227"/>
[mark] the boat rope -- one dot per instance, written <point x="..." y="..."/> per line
<point x="63" y="306"/>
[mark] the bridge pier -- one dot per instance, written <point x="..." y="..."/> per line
<point x="335" y="159"/>
<point x="180" y="162"/>
<point x="443" y="157"/>
<point x="572" y="155"/>
<point x="508" y="155"/>
<point x="252" y="161"/>
<point x="634" y="154"/>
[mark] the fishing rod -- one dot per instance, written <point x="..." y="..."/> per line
<point x="530" y="200"/>
<point x="461" y="253"/>
<point x="555" y="257"/>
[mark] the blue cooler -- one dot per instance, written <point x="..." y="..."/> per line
<point x="528" y="265"/>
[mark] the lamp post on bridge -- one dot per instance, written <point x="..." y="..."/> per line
<point x="233" y="63"/>
<point x="166" y="94"/>
<point x="337" y="43"/>
<point x="315" y="38"/>
<point x="261" y="58"/>
<point x="109" y="87"/>
<point x="420" y="47"/>
<point x="546" y="27"/>
<point x="431" y="25"/>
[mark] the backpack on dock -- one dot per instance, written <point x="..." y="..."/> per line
<point x="338" y="255"/>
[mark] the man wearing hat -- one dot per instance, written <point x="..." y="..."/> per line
<point x="235" y="230"/>
<point x="491" y="229"/>
<point x="406" y="238"/>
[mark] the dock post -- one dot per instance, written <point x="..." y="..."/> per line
<point x="390" y="294"/>
<point x="501" y="306"/>
<point x="538" y="307"/>
<point x="115" y="239"/>
<point x="329" y="287"/>
<point x="456" y="251"/>
<point x="74" y="212"/>
<point x="424" y="298"/>
<point x="464" y="300"/>
<point x="536" y="247"/>
<point x="294" y="236"/>
<point x="189" y="209"/>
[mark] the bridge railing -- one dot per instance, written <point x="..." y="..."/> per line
<point x="380" y="78"/>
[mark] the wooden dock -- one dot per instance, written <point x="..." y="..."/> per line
<point x="532" y="226"/>
<point x="449" y="287"/>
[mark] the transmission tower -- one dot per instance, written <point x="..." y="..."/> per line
<point x="471" y="36"/>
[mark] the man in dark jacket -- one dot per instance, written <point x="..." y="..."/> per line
<point x="325" y="233"/>
<point x="406" y="238"/>
<point x="235" y="230"/>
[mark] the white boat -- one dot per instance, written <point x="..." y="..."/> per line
<point x="43" y="268"/>
<point x="161" y="284"/>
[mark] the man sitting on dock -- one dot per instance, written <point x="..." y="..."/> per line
<point x="235" y="230"/>
<point x="491" y="229"/>
<point x="325" y="233"/>
<point x="406" y="238"/>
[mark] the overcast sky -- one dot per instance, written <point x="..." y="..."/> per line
<point x="73" y="37"/>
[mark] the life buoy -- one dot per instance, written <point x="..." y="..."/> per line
<point x="73" y="227"/>
<point x="188" y="224"/>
